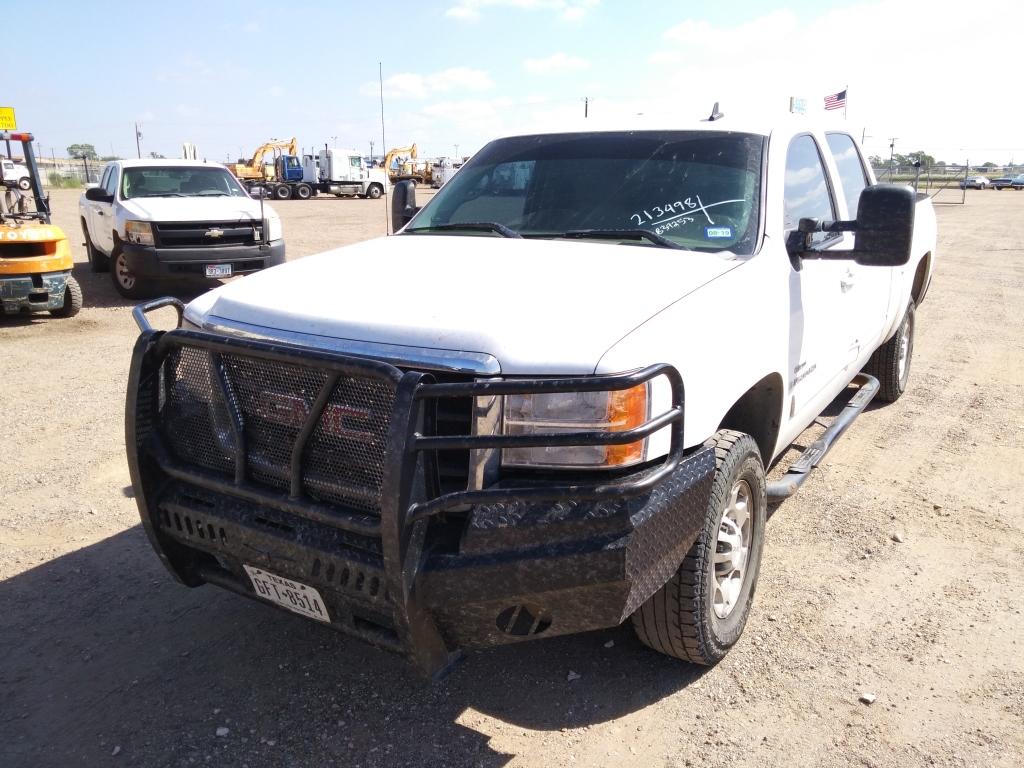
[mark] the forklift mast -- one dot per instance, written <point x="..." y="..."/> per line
<point x="42" y="201"/>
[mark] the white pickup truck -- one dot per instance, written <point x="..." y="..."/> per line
<point x="152" y="220"/>
<point x="544" y="406"/>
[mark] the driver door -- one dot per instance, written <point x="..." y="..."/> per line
<point x="102" y="214"/>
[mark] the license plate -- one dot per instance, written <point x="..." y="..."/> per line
<point x="218" y="270"/>
<point x="300" y="598"/>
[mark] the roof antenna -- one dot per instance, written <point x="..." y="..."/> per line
<point x="715" y="114"/>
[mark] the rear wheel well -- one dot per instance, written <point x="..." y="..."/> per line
<point x="921" y="280"/>
<point x="759" y="414"/>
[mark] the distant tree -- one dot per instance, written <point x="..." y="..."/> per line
<point x="876" y="161"/>
<point x="108" y="158"/>
<point x="989" y="165"/>
<point x="80" y="151"/>
<point x="157" y="156"/>
<point x="924" y="158"/>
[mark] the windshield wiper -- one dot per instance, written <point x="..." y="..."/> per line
<point x="472" y="226"/>
<point x="161" y="194"/>
<point x="617" y="234"/>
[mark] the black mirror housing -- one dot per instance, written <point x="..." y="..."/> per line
<point x="403" y="204"/>
<point x="98" y="195"/>
<point x="885" y="225"/>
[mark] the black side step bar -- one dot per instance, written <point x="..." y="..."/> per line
<point x="816" y="451"/>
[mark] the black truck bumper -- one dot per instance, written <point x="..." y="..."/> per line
<point x="149" y="262"/>
<point x="525" y="561"/>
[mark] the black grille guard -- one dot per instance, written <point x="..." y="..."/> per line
<point x="401" y="525"/>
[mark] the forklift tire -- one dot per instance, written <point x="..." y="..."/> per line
<point x="282" y="192"/>
<point x="303" y="192"/>
<point x="72" y="300"/>
<point x="97" y="261"/>
<point x="374" y="192"/>
<point x="24" y="184"/>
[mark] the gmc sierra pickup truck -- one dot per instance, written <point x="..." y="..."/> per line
<point x="151" y="220"/>
<point x="546" y="404"/>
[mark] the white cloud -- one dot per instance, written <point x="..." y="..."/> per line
<point x="567" y="10"/>
<point x="557" y="62"/>
<point x="412" y="85"/>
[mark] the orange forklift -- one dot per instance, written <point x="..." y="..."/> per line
<point x="35" y="256"/>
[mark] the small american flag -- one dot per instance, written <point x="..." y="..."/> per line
<point x="836" y="100"/>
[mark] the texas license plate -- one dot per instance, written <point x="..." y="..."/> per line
<point x="300" y="598"/>
<point x="218" y="270"/>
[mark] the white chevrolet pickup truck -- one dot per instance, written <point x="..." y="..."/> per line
<point x="153" y="220"/>
<point x="545" y="405"/>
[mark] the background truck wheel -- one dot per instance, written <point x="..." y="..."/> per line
<point x="891" y="362"/>
<point x="303" y="192"/>
<point x="282" y="192"/>
<point x="72" y="300"/>
<point x="24" y="184"/>
<point x="374" y="192"/>
<point x="700" y="613"/>
<point x="98" y="262"/>
<point x="125" y="281"/>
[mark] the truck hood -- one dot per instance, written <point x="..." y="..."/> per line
<point x="537" y="306"/>
<point x="195" y="208"/>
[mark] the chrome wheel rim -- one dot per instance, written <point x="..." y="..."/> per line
<point x="124" y="275"/>
<point x="906" y="346"/>
<point x="732" y="549"/>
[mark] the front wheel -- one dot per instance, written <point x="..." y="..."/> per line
<point x="126" y="282"/>
<point x="702" y="610"/>
<point x="374" y="192"/>
<point x="890" y="363"/>
<point x="72" y="300"/>
<point x="24" y="184"/>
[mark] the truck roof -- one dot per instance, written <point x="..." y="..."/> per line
<point x="163" y="162"/>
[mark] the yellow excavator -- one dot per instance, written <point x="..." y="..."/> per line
<point x="253" y="169"/>
<point x="408" y="169"/>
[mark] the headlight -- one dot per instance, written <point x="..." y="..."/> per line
<point x="274" y="229"/>
<point x="139" y="232"/>
<point x="561" y="412"/>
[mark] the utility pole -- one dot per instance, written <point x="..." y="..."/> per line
<point x="138" y="135"/>
<point x="456" y="151"/>
<point x="892" y="153"/>
<point x="371" y="151"/>
<point x="586" y="106"/>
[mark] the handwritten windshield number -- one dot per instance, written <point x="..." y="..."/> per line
<point x="679" y="206"/>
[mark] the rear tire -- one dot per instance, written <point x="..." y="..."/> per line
<point x="98" y="261"/>
<point x="282" y="192"/>
<point x="890" y="363"/>
<point x="303" y="192"/>
<point x="702" y="610"/>
<point x="72" y="300"/>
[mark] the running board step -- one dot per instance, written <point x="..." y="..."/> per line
<point x="815" y="453"/>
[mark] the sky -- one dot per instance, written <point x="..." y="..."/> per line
<point x="941" y="77"/>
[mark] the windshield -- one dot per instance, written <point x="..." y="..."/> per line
<point x="698" y="190"/>
<point x="179" y="182"/>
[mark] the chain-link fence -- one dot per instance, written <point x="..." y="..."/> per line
<point x="63" y="172"/>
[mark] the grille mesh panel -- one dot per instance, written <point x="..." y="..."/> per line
<point x="343" y="460"/>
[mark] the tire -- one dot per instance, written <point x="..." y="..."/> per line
<point x="890" y="363"/>
<point x="72" y="300"/>
<point x="24" y="184"/>
<point x="303" y="192"/>
<point x="689" y="618"/>
<point x="124" y="280"/>
<point x="282" y="192"/>
<point x="374" y="192"/>
<point x="98" y="261"/>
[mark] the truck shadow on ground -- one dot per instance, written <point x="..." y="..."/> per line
<point x="100" y="649"/>
<point x="98" y="289"/>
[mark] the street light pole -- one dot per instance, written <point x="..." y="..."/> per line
<point x="456" y="151"/>
<point x="138" y="135"/>
<point x="892" y="153"/>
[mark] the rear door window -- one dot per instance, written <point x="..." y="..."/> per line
<point x="852" y="175"/>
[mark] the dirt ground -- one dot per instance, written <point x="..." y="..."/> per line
<point x="894" y="572"/>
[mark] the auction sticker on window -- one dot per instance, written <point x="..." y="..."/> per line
<point x="300" y="598"/>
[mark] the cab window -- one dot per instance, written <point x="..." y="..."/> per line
<point x="851" y="170"/>
<point x="110" y="187"/>
<point x="807" y="194"/>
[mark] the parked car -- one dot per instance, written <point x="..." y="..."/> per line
<point x="475" y="432"/>
<point x="975" y="182"/>
<point x="150" y="220"/>
<point x="1002" y="182"/>
<point x="1017" y="182"/>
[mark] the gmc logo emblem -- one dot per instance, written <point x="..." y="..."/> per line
<point x="342" y="421"/>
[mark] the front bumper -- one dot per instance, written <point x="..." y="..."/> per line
<point x="34" y="293"/>
<point x="154" y="262"/>
<point x="531" y="560"/>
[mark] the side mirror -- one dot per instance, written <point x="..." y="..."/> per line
<point x="885" y="225"/>
<point x="98" y="195"/>
<point x="884" y="228"/>
<point x="403" y="204"/>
